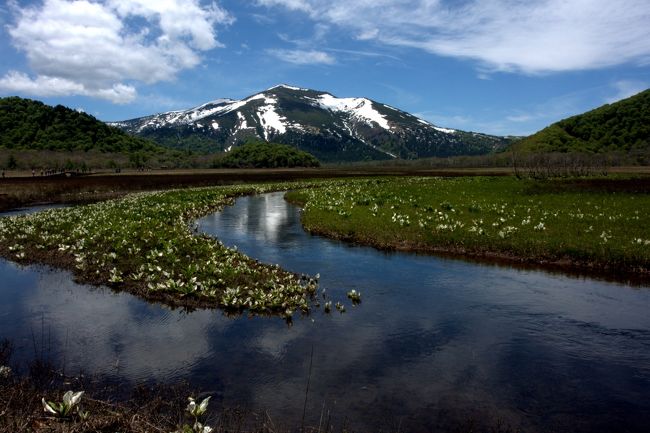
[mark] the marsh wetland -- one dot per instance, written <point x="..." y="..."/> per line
<point x="437" y="343"/>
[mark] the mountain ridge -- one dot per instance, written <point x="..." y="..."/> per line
<point x="332" y="128"/>
<point x="622" y="126"/>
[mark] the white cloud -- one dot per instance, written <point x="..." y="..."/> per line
<point x="445" y="120"/>
<point x="45" y="86"/>
<point x="626" y="88"/>
<point x="100" y="49"/>
<point x="303" y="57"/>
<point x="363" y="53"/>
<point x="520" y="118"/>
<point x="502" y="35"/>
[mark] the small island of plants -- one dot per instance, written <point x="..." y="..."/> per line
<point x="266" y="155"/>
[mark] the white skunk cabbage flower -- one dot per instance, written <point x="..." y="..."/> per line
<point x="71" y="399"/>
<point x="200" y="428"/>
<point x="197" y="410"/>
<point x="5" y="372"/>
<point x="47" y="408"/>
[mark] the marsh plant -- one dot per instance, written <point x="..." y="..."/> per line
<point x="5" y="372"/>
<point x="196" y="411"/>
<point x="354" y="296"/>
<point x="67" y="408"/>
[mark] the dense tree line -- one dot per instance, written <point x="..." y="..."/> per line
<point x="623" y="126"/>
<point x="266" y="155"/>
<point x="29" y="124"/>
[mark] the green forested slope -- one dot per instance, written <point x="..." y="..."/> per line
<point x="29" y="124"/>
<point x="623" y="127"/>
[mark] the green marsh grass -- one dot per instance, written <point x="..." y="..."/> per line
<point x="521" y="220"/>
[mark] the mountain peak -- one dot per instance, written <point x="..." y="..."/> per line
<point x="287" y="86"/>
<point x="331" y="128"/>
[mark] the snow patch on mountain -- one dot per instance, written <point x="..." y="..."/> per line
<point x="437" y="128"/>
<point x="270" y="119"/>
<point x="359" y="108"/>
<point x="445" y="130"/>
<point x="242" y="121"/>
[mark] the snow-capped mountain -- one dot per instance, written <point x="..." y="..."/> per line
<point x="331" y="128"/>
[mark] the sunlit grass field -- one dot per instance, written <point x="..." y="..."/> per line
<point x="527" y="220"/>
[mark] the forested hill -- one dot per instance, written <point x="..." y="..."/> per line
<point x="29" y="124"/>
<point x="623" y="126"/>
<point x="266" y="155"/>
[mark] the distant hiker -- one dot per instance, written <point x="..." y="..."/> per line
<point x="3" y="174"/>
<point x="33" y="172"/>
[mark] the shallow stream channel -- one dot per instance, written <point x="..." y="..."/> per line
<point x="436" y="344"/>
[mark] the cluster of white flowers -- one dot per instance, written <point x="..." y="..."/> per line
<point x="5" y="372"/>
<point x="605" y="236"/>
<point x="506" y="231"/>
<point x="147" y="240"/>
<point x="402" y="220"/>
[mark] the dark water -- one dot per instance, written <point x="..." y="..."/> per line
<point x="31" y="209"/>
<point x="435" y="344"/>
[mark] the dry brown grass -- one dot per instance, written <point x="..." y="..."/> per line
<point x="22" y="189"/>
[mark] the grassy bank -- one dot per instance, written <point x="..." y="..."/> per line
<point x="593" y="224"/>
<point x="144" y="243"/>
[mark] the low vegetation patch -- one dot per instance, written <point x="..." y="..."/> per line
<point x="147" y="244"/>
<point x="32" y="402"/>
<point x="544" y="222"/>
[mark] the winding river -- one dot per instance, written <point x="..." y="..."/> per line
<point x="435" y="344"/>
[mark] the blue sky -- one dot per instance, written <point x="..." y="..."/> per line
<point x="495" y="66"/>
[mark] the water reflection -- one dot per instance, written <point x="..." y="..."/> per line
<point x="100" y="331"/>
<point x="434" y="342"/>
<point x="31" y="209"/>
<point x="446" y="335"/>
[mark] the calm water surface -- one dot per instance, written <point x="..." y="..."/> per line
<point x="435" y="342"/>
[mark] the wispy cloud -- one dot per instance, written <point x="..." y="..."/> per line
<point x="626" y="88"/>
<point x="520" y="118"/>
<point x="303" y="57"/>
<point x="401" y="96"/>
<point x="501" y="35"/>
<point x="362" y="53"/>
<point x="445" y="120"/>
<point x="103" y="49"/>
<point x="521" y="121"/>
